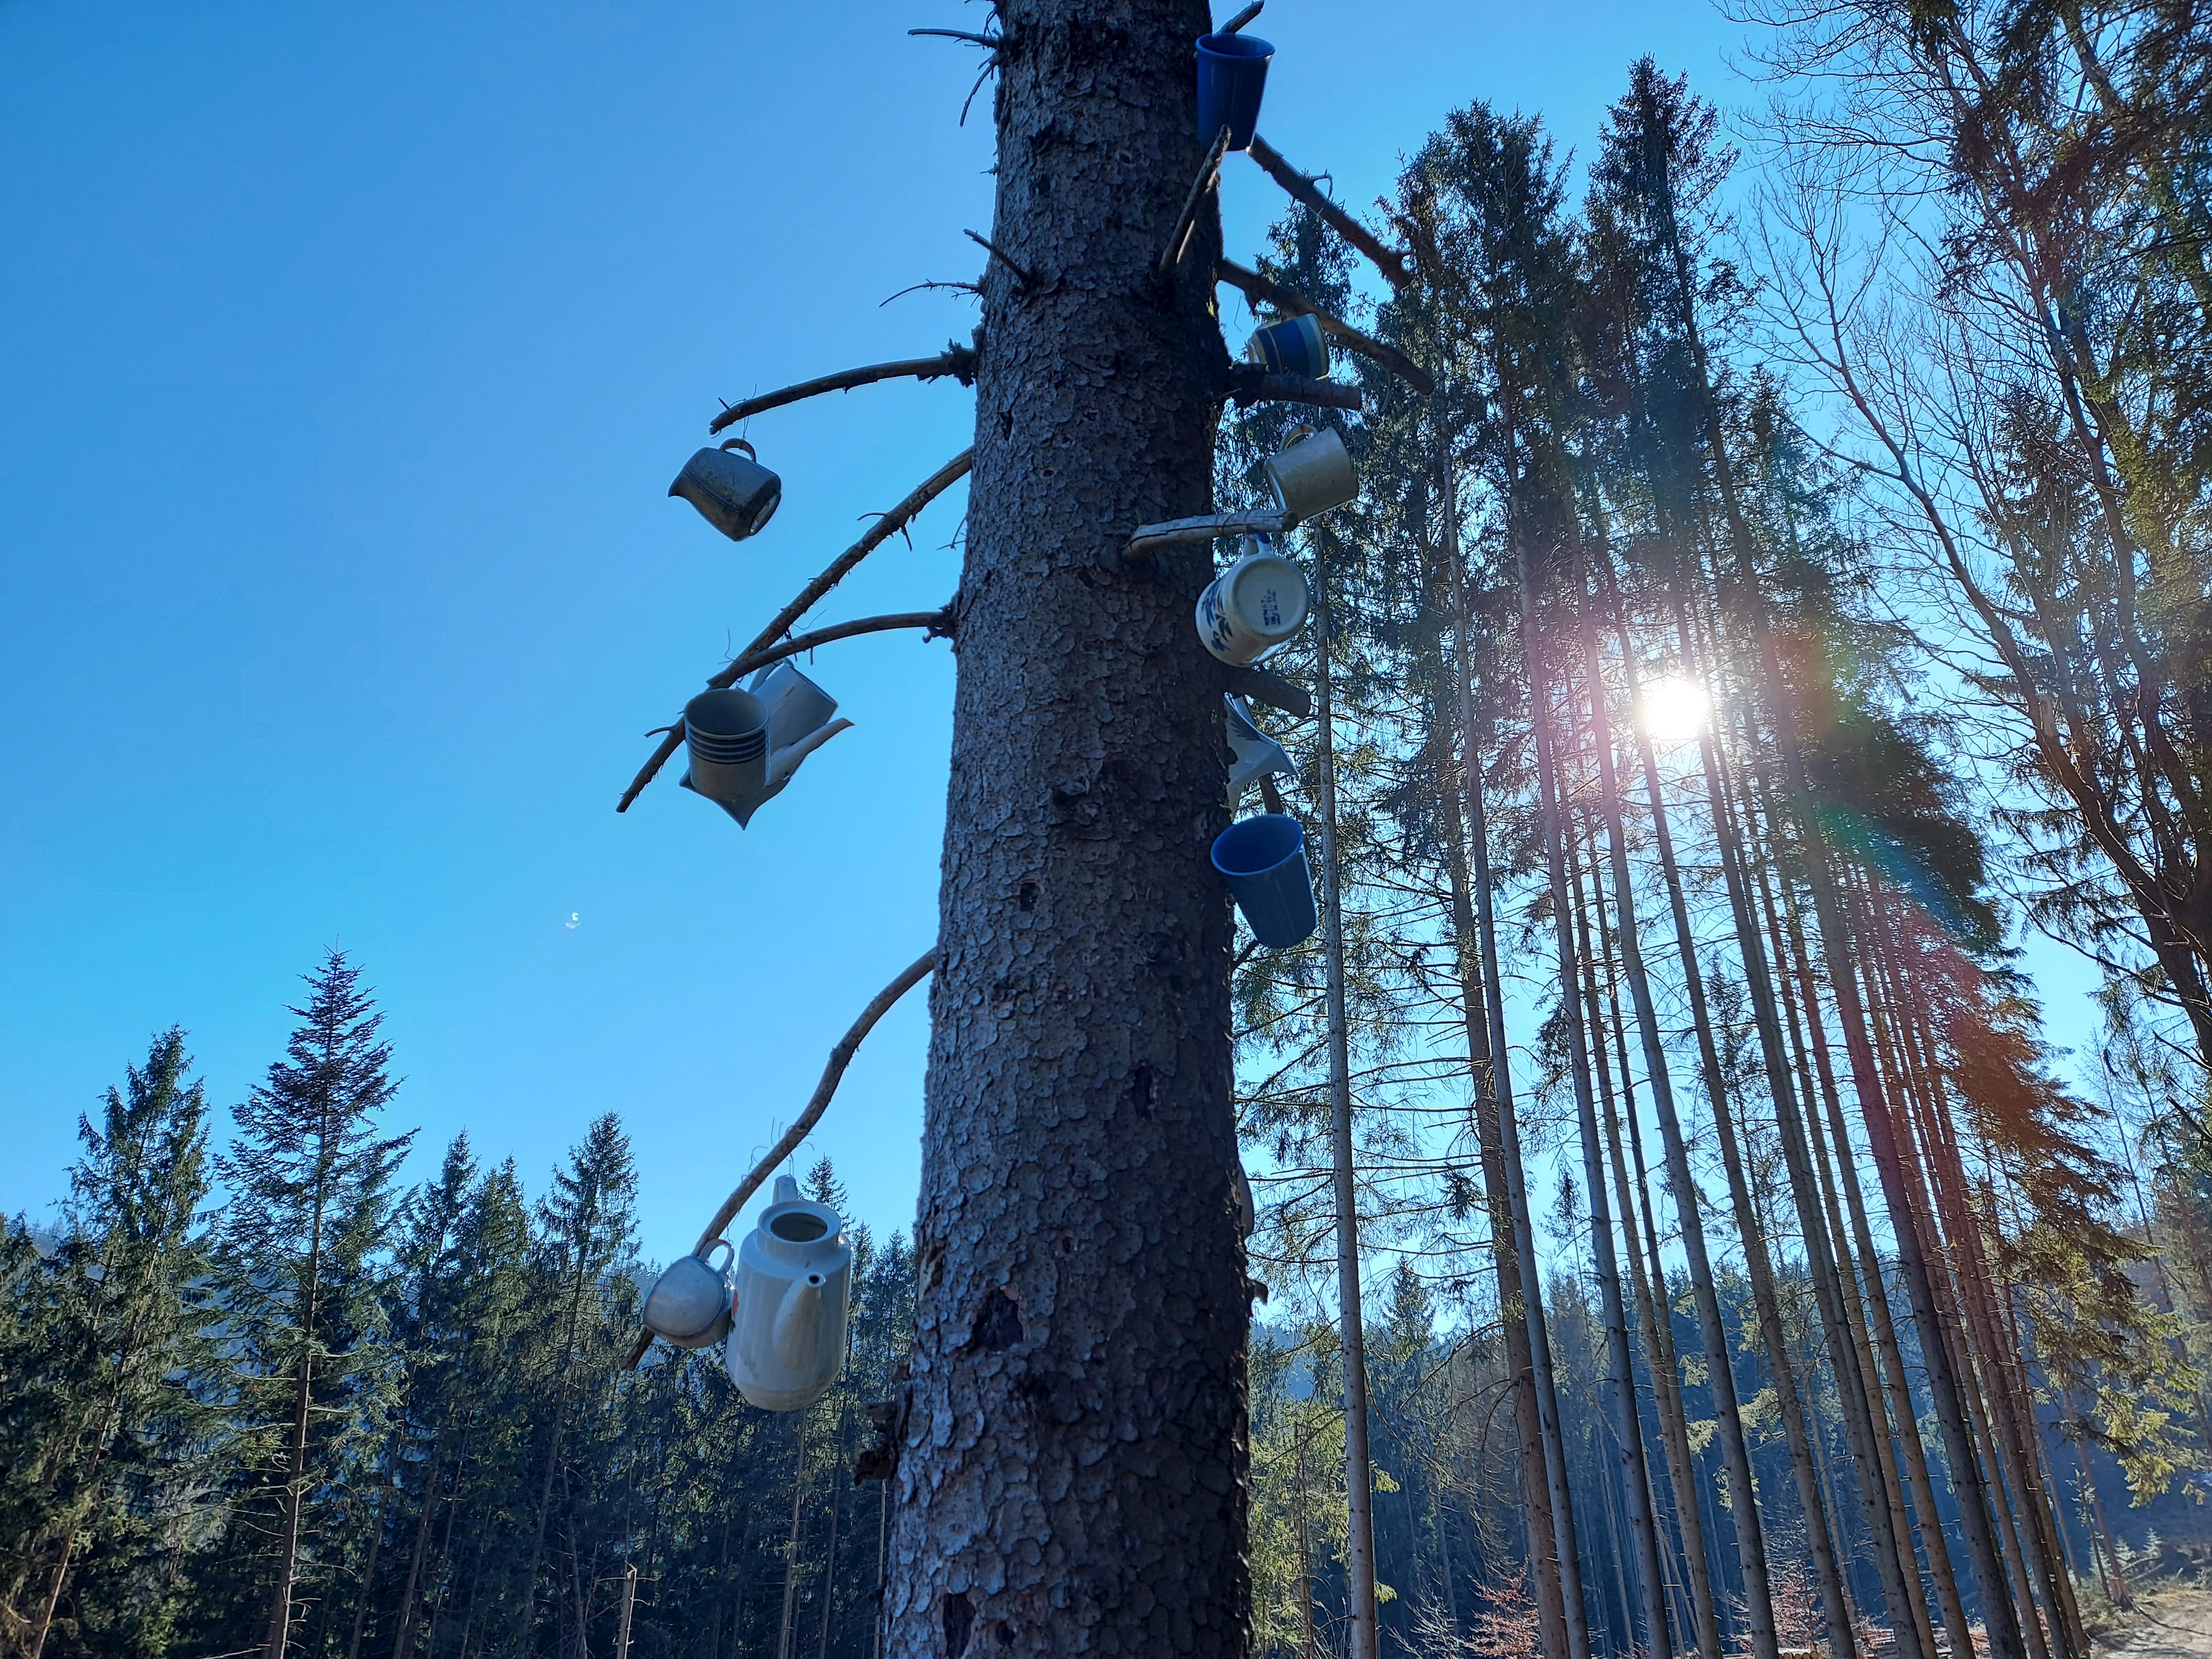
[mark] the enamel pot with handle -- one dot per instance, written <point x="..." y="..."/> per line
<point x="689" y="1305"/>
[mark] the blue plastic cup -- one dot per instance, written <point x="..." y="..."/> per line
<point x="1263" y="859"/>
<point x="1232" y="73"/>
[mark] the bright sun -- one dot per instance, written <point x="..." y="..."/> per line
<point x="1673" y="708"/>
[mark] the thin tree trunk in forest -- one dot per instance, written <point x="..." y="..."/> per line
<point x="1751" y="1546"/>
<point x="1872" y="1315"/>
<point x="1877" y="1362"/>
<point x="403" y="1637"/>
<point x="783" y="1649"/>
<point x="1081" y="1310"/>
<point x="295" y="1496"/>
<point x="1364" y="1636"/>
<point x="1893" y="1548"/>
<point x="844" y="1458"/>
<point x="1630" y="1471"/>
<point x="1643" y="1277"/>
<point x="1560" y="1617"/>
<point x="368" y="1573"/>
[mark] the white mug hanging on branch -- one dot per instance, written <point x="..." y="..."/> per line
<point x="690" y="1303"/>
<point x="1313" y="473"/>
<point x="1253" y="606"/>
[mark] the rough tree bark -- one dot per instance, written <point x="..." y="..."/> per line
<point x="1073" y="1475"/>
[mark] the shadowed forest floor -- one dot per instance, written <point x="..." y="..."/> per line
<point x="2168" y="1624"/>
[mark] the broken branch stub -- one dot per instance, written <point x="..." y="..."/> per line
<point x="1250" y="384"/>
<point x="1207" y="527"/>
<point x="957" y="360"/>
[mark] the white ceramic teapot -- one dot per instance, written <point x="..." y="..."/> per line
<point x="794" y="1281"/>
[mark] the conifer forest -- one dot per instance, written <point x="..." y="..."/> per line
<point x="1665" y="1219"/>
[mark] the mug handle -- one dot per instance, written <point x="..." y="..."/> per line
<point x="707" y="1255"/>
<point x="739" y="443"/>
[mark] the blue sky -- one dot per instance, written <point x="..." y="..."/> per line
<point x="348" y="353"/>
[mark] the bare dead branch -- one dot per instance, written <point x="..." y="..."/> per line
<point x="1242" y="17"/>
<point x="1204" y="528"/>
<point x="1261" y="290"/>
<point x="803" y="1125"/>
<point x="916" y="287"/>
<point x="893" y="521"/>
<point x="1394" y="265"/>
<point x="1021" y="275"/>
<point x="1209" y="171"/>
<point x="960" y="35"/>
<point x="1250" y="384"/>
<point x="957" y="360"/>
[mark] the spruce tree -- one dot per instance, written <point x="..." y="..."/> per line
<point x="300" y="1279"/>
<point x="105" y="1422"/>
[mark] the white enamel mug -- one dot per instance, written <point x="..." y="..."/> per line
<point x="1253" y="606"/>
<point x="1313" y="473"/>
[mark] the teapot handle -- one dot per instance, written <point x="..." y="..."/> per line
<point x="706" y="1254"/>
<point x="739" y="443"/>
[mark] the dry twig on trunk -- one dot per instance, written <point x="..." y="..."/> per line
<point x="1261" y="290"/>
<point x="957" y="360"/>
<point x="803" y="1125"/>
<point x="927" y="491"/>
<point x="1393" y="265"/>
<point x="1209" y="171"/>
<point x="1021" y="273"/>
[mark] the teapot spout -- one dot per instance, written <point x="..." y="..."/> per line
<point x="797" y="1337"/>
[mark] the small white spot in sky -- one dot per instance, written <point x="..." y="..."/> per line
<point x="574" y="922"/>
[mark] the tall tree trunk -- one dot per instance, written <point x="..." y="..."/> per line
<point x="1647" y="1288"/>
<point x="1363" y="1638"/>
<point x="295" y="1459"/>
<point x="1743" y="1502"/>
<point x="1072" y="1472"/>
<point x="1520" y="1307"/>
<point x="1633" y="1479"/>
<point x="783" y="1629"/>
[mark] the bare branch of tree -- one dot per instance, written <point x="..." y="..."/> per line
<point x="1261" y="290"/>
<point x="1209" y="172"/>
<point x="1250" y="384"/>
<point x="1395" y="266"/>
<point x="803" y="1125"/>
<point x="924" y="493"/>
<point x="957" y="360"/>
<point x="1021" y="273"/>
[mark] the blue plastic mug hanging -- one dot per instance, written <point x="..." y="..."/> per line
<point x="1263" y="860"/>
<point x="1232" y="73"/>
<point x="1294" y="346"/>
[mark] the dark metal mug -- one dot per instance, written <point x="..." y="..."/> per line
<point x="734" y="493"/>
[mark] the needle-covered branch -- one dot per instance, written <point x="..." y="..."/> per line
<point x="1262" y="290"/>
<point x="957" y="360"/>
<point x="924" y="493"/>
<point x="1395" y="266"/>
<point x="803" y="1125"/>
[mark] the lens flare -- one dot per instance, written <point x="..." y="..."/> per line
<point x="1673" y="709"/>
